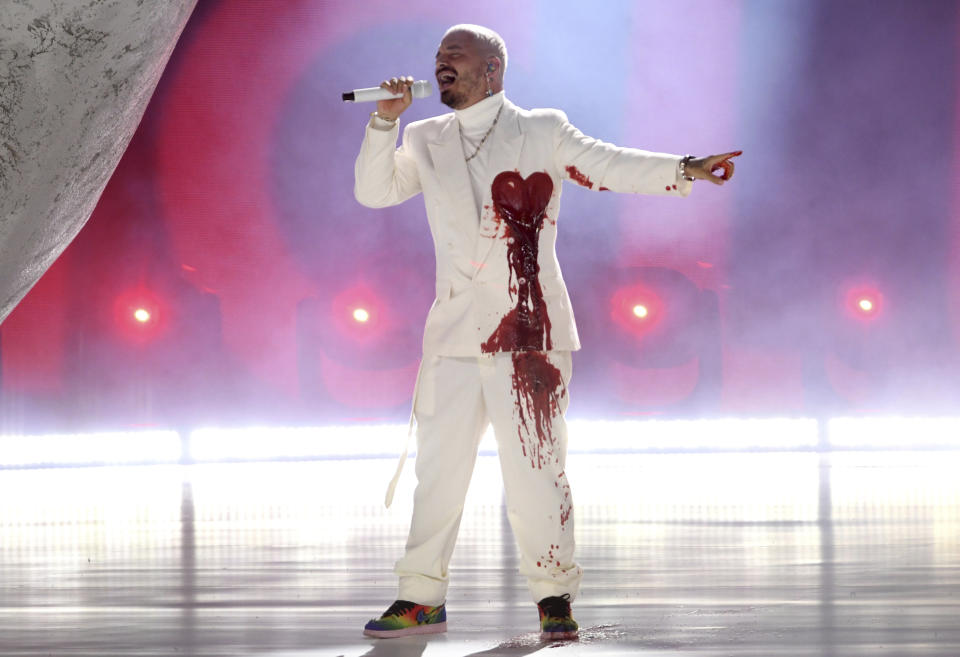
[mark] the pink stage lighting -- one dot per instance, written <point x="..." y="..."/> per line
<point x="636" y="308"/>
<point x="358" y="313"/>
<point x="864" y="303"/>
<point x="138" y="315"/>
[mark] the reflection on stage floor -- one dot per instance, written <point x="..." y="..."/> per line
<point x="777" y="553"/>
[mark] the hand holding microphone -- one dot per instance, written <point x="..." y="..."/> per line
<point x="390" y="109"/>
<point x="393" y="96"/>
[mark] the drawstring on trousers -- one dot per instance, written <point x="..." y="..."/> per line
<point x="388" y="500"/>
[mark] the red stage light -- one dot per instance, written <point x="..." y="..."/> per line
<point x="139" y="315"/>
<point x="636" y="308"/>
<point x="650" y="317"/>
<point x="359" y="314"/>
<point x="863" y="302"/>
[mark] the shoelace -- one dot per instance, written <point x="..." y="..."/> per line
<point x="556" y="606"/>
<point x="399" y="608"/>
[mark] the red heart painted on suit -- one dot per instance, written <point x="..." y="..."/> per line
<point x="522" y="200"/>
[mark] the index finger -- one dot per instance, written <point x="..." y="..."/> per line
<point x="727" y="156"/>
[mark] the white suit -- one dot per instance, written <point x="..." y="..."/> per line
<point x="498" y="338"/>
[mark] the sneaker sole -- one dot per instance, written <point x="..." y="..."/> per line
<point x="433" y="628"/>
<point x="554" y="636"/>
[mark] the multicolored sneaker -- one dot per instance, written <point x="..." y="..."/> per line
<point x="556" y="621"/>
<point x="404" y="618"/>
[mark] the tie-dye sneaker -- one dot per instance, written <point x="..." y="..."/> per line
<point x="404" y="618"/>
<point x="556" y="621"/>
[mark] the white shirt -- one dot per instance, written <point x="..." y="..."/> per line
<point x="475" y="121"/>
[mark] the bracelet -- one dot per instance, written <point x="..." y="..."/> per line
<point x="383" y="118"/>
<point x="684" y="161"/>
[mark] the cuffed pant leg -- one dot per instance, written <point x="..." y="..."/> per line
<point x="531" y="433"/>
<point x="451" y="419"/>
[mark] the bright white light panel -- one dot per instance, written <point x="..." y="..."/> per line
<point x="90" y="448"/>
<point x="387" y="440"/>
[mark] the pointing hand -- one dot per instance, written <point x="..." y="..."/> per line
<point x="707" y="168"/>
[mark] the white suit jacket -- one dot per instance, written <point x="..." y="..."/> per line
<point x="473" y="282"/>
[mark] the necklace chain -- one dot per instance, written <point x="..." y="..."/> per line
<point x="492" y="125"/>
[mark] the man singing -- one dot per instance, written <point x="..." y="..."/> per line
<point x="498" y="339"/>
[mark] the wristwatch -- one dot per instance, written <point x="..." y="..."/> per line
<point x="684" y="161"/>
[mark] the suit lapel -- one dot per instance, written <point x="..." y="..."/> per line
<point x="449" y="163"/>
<point x="505" y="147"/>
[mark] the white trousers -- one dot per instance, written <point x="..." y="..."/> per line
<point x="456" y="400"/>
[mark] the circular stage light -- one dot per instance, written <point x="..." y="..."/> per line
<point x="140" y="315"/>
<point x="361" y="315"/>
<point x="863" y="301"/>
<point x="638" y="308"/>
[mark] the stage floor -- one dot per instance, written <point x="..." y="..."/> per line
<point x="846" y="553"/>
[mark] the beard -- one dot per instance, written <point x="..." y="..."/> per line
<point x="452" y="99"/>
<point x="469" y="86"/>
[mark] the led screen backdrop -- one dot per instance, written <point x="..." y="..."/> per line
<point x="228" y="275"/>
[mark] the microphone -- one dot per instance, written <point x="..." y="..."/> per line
<point x="420" y="89"/>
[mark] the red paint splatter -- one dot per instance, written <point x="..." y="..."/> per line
<point x="538" y="564"/>
<point x="668" y="188"/>
<point x="603" y="189"/>
<point x="538" y="386"/>
<point x="521" y="205"/>
<point x="674" y="186"/>
<point x="577" y="176"/>
<point x="725" y="166"/>
<point x="566" y="505"/>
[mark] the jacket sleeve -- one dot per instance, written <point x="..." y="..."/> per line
<point x="384" y="175"/>
<point x="601" y="166"/>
